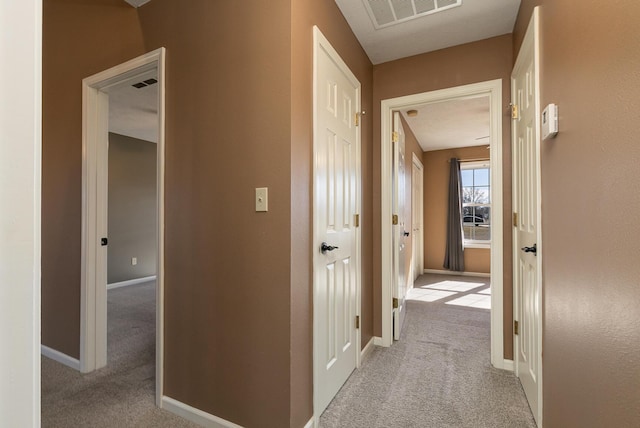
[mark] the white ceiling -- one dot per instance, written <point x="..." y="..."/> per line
<point x="451" y="124"/>
<point x="134" y="111"/>
<point x="474" y="20"/>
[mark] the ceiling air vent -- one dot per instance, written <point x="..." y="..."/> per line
<point x="144" y="83"/>
<point x="384" y="13"/>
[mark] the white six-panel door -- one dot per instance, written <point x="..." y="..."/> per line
<point x="527" y="259"/>
<point x="336" y="268"/>
<point x="399" y="253"/>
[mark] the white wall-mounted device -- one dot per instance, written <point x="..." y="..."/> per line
<point x="549" y="121"/>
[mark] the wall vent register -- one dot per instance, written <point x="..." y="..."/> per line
<point x="385" y="13"/>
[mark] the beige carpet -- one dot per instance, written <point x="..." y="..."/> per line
<point x="439" y="374"/>
<point x="123" y="393"/>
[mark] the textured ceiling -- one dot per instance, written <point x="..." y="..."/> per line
<point x="451" y="124"/>
<point x="137" y="3"/>
<point x="474" y="20"/>
<point x="134" y="112"/>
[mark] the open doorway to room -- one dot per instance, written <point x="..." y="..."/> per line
<point x="122" y="253"/>
<point x="462" y="123"/>
<point x="132" y="202"/>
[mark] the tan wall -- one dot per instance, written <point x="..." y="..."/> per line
<point x="436" y="196"/>
<point x="132" y="208"/>
<point x="227" y="267"/>
<point x="326" y="15"/>
<point x="590" y="63"/>
<point x="238" y="117"/>
<point x="460" y="65"/>
<point x="78" y="40"/>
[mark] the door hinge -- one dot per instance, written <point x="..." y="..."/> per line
<point x="357" y="321"/>
<point x="356" y="220"/>
<point x="394" y="219"/>
<point x="516" y="327"/>
<point x="515" y="219"/>
<point x="514" y="111"/>
<point x="395" y="303"/>
<point x="395" y="137"/>
<point x="356" y="119"/>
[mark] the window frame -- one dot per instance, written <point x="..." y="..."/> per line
<point x="473" y="165"/>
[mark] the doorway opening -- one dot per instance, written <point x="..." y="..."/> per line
<point x="126" y="212"/>
<point x="489" y="92"/>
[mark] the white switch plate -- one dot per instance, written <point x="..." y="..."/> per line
<point x="134" y="261"/>
<point x="262" y="199"/>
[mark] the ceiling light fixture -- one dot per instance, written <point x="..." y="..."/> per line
<point x="412" y="113"/>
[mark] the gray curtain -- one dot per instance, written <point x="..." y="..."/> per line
<point x="454" y="255"/>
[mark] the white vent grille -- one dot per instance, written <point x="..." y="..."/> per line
<point x="384" y="13"/>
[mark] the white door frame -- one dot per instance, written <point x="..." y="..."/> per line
<point x="530" y="48"/>
<point x="493" y="89"/>
<point x="95" y="115"/>
<point x="417" y="241"/>
<point x="320" y="42"/>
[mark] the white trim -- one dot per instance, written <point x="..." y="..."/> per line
<point x="508" y="365"/>
<point x="130" y="282"/>
<point x="449" y="272"/>
<point x="20" y="212"/>
<point x="477" y="245"/>
<point x="531" y="46"/>
<point x="60" y="357"/>
<point x="311" y="423"/>
<point x="321" y="42"/>
<point x="493" y="89"/>
<point x="367" y="350"/>
<point x="417" y="163"/>
<point x="377" y="341"/>
<point x="93" y="318"/>
<point x="195" y="415"/>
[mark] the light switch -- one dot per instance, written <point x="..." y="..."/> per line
<point x="262" y="199"/>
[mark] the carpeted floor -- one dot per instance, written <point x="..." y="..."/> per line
<point x="123" y="393"/>
<point x="439" y="374"/>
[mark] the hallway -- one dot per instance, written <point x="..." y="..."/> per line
<point x="439" y="374"/>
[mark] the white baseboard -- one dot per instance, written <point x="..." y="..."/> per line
<point x="130" y="282"/>
<point x="195" y="415"/>
<point x="448" y="272"/>
<point x="377" y="341"/>
<point x="508" y="365"/>
<point x="504" y="364"/>
<point x="310" y="424"/>
<point x="366" y="351"/>
<point x="60" y="357"/>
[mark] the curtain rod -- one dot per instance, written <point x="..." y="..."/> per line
<point x="470" y="160"/>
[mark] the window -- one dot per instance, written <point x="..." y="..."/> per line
<point x="476" y="203"/>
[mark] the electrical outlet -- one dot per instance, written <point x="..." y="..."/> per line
<point x="134" y="261"/>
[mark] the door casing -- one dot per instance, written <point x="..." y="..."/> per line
<point x="493" y="89"/>
<point x="93" y="301"/>
<point x="417" y="215"/>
